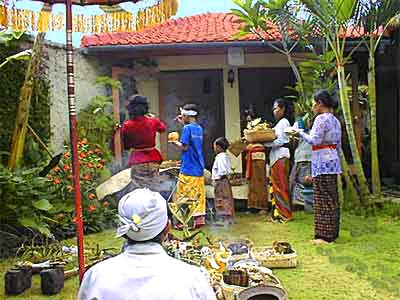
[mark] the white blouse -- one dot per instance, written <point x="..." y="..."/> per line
<point x="222" y="166"/>
<point x="277" y="151"/>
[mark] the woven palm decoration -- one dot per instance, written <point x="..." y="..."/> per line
<point x="115" y="19"/>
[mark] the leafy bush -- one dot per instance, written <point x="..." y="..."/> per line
<point x="26" y="200"/>
<point x="96" y="122"/>
<point x="97" y="215"/>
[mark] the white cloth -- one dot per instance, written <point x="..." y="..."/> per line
<point x="190" y="113"/>
<point x="222" y="166"/>
<point x="143" y="215"/>
<point x="144" y="271"/>
<point x="277" y="151"/>
<point x="303" y="151"/>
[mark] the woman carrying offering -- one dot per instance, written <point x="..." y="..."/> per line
<point x="191" y="176"/>
<point x="138" y="135"/>
<point x="224" y="205"/>
<point x="325" y="138"/>
<point x="279" y="156"/>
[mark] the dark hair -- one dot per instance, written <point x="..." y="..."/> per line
<point x="191" y="107"/>
<point x="222" y="142"/>
<point x="138" y="106"/>
<point x="156" y="239"/>
<point x="289" y="108"/>
<point x="326" y="98"/>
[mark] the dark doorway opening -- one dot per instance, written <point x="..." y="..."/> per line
<point x="204" y="88"/>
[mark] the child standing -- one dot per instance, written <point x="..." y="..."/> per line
<point x="224" y="204"/>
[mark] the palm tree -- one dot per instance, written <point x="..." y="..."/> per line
<point x="375" y="17"/>
<point x="333" y="20"/>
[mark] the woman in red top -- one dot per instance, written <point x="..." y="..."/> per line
<point x="139" y="136"/>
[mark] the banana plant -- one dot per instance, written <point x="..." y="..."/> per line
<point x="6" y="37"/>
<point x="21" y="122"/>
<point x="333" y="19"/>
<point x="375" y="17"/>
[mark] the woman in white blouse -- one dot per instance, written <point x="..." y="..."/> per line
<point x="279" y="157"/>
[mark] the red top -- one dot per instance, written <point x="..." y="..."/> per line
<point x="140" y="133"/>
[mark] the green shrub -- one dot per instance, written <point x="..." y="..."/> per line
<point x="26" y="200"/>
<point x="97" y="215"/>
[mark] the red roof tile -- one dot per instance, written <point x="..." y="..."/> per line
<point x="203" y="28"/>
<point x="209" y="27"/>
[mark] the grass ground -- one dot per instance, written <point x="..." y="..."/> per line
<point x="363" y="264"/>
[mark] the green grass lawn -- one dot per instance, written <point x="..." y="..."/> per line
<point x="363" y="264"/>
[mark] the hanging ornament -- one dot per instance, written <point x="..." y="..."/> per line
<point x="115" y="19"/>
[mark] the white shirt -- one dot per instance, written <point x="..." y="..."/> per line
<point x="145" y="272"/>
<point x="222" y="166"/>
<point x="277" y="151"/>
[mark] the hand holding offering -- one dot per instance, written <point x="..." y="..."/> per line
<point x="173" y="137"/>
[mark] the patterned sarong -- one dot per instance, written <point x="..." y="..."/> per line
<point x="146" y="175"/>
<point x="280" y="189"/>
<point x="193" y="187"/>
<point x="256" y="175"/>
<point x="224" y="204"/>
<point x="326" y="207"/>
<point x="297" y="180"/>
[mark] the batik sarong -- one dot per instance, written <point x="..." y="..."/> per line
<point x="193" y="187"/>
<point x="257" y="178"/>
<point x="326" y="207"/>
<point x="223" y="199"/>
<point x="280" y="190"/>
<point x="145" y="175"/>
<point x="297" y="180"/>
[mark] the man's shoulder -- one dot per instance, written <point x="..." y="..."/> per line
<point x="105" y="265"/>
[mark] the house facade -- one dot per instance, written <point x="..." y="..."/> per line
<point x="196" y="60"/>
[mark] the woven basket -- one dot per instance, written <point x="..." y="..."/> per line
<point x="259" y="136"/>
<point x="237" y="147"/>
<point x="274" y="261"/>
<point x="273" y="288"/>
<point x="236" y="277"/>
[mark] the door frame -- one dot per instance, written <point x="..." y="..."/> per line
<point x="116" y="74"/>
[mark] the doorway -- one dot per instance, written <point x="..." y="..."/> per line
<point x="259" y="87"/>
<point x="204" y="88"/>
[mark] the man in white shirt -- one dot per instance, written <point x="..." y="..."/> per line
<point x="144" y="271"/>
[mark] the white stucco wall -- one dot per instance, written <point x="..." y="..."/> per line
<point x="87" y="69"/>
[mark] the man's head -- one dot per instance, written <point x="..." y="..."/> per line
<point x="143" y="216"/>
<point x="189" y="113"/>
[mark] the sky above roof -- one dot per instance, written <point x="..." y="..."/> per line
<point x="186" y="8"/>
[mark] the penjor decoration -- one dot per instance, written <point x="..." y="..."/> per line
<point x="117" y="20"/>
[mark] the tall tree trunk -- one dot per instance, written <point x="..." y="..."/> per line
<point x="362" y="181"/>
<point x="375" y="172"/>
<point x="31" y="75"/>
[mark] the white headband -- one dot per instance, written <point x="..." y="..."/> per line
<point x="189" y="113"/>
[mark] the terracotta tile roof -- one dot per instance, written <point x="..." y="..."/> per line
<point x="203" y="28"/>
<point x="209" y="27"/>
